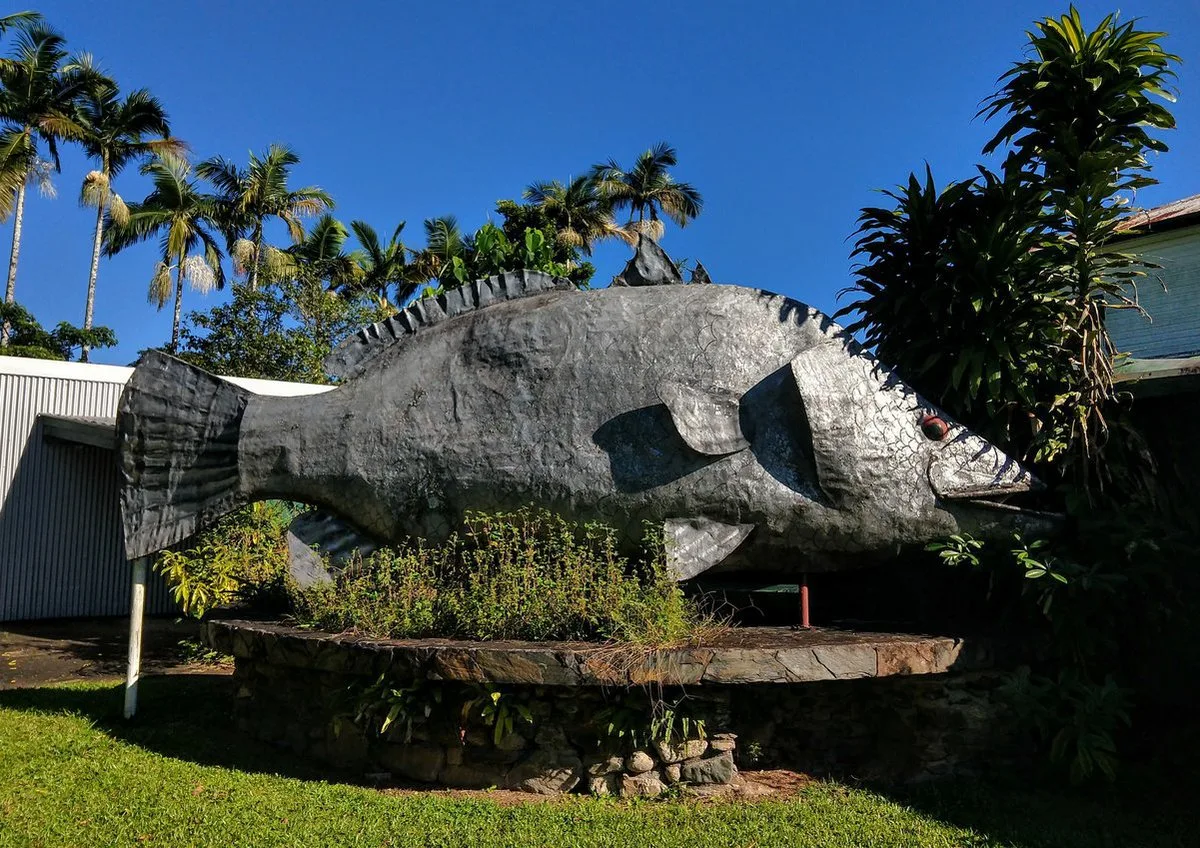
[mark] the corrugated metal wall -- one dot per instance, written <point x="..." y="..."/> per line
<point x="60" y="538"/>
<point x="1171" y="295"/>
<point x="60" y="523"/>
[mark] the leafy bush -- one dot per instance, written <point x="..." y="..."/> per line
<point x="242" y="558"/>
<point x="30" y="339"/>
<point x="990" y="295"/>
<point x="642" y="717"/>
<point x="522" y="575"/>
<point x="1069" y="595"/>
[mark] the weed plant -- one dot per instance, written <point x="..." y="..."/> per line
<point x="522" y="575"/>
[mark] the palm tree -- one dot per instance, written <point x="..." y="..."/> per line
<point x="383" y="266"/>
<point x="312" y="271"/>
<point x="114" y="134"/>
<point x="648" y="187"/>
<point x="38" y="89"/>
<point x="319" y="257"/>
<point x="19" y="19"/>
<point x="579" y="214"/>
<point x="184" y="218"/>
<point x="250" y="196"/>
<point x="444" y="242"/>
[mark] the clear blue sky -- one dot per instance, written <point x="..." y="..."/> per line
<point x="786" y="116"/>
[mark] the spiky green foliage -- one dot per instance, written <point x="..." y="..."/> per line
<point x="991" y="295"/>
<point x="319" y="258"/>
<point x="184" y="219"/>
<point x="1080" y="112"/>
<point x="260" y="191"/>
<point x="955" y="287"/>
<point x="647" y="189"/>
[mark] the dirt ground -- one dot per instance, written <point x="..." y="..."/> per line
<point x="38" y="652"/>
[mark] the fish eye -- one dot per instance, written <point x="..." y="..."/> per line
<point x="934" y="428"/>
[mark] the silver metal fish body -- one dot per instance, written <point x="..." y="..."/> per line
<point x="752" y="428"/>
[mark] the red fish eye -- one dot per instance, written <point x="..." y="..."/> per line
<point x="934" y="428"/>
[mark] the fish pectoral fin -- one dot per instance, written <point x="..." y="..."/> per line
<point x="321" y="545"/>
<point x="694" y="545"/>
<point x="708" y="419"/>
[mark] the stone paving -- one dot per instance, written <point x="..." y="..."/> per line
<point x="735" y="656"/>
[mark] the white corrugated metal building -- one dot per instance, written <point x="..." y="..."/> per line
<point x="60" y="535"/>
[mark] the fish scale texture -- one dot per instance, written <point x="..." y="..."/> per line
<point x="747" y="424"/>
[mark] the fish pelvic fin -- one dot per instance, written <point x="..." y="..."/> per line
<point x="351" y="357"/>
<point x="177" y="430"/>
<point x="694" y="545"/>
<point x="321" y="545"/>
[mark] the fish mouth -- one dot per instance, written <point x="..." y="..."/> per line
<point x="996" y="492"/>
<point x="988" y="492"/>
<point x="1016" y="510"/>
<point x="986" y="475"/>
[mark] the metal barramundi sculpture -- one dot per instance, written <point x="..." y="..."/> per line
<point x="754" y="430"/>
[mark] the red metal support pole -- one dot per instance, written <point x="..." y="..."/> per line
<point x="804" y="603"/>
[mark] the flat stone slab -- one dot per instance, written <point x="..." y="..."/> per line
<point x="736" y="656"/>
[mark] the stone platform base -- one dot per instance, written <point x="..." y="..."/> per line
<point x="562" y="717"/>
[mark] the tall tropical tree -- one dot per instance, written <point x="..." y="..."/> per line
<point x="383" y="266"/>
<point x="184" y="219"/>
<point x="116" y="132"/>
<point x="320" y="257"/>
<point x="39" y="85"/>
<point x="251" y="195"/>
<point x="18" y="19"/>
<point x="444" y="242"/>
<point x="648" y="190"/>
<point x="579" y="214"/>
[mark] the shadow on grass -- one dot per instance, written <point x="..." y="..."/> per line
<point x="189" y="717"/>
<point x="185" y="716"/>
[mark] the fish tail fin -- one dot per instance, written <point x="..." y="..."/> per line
<point x="178" y="429"/>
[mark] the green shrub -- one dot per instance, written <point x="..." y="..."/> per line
<point x="242" y="558"/>
<point x="522" y="575"/>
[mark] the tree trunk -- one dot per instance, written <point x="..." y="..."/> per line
<point x="178" y="307"/>
<point x="91" y="290"/>
<point x="257" y="236"/>
<point x="10" y="291"/>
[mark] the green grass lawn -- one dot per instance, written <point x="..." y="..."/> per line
<point x="72" y="773"/>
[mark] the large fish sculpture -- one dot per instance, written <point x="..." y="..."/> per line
<point x="748" y="426"/>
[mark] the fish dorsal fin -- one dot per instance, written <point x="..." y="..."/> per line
<point x="351" y="357"/>
<point x="650" y="266"/>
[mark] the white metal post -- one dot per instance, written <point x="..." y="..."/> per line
<point x="137" y="609"/>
